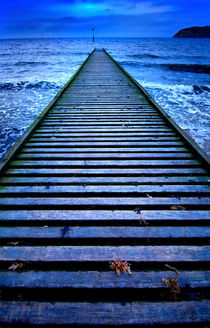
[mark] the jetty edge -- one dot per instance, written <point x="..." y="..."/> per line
<point x="102" y="174"/>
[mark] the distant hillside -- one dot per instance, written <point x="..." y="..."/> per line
<point x="194" y="32"/>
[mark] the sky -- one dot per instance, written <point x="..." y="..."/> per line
<point x="110" y="18"/>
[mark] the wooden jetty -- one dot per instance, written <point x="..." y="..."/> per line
<point x="103" y="174"/>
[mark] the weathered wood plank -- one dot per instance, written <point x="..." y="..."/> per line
<point x="103" y="124"/>
<point x="105" y="118"/>
<point x="106" y="149"/>
<point x="102" y="116"/>
<point x="106" y="171"/>
<point x="106" y="163"/>
<point x="96" y="279"/>
<point x="96" y="129"/>
<point x="101" y="215"/>
<point x="96" y="135"/>
<point x="106" y="121"/>
<point x="103" y="232"/>
<point x="108" y="143"/>
<point x="105" y="180"/>
<point x="147" y="313"/>
<point x="122" y="189"/>
<point x="104" y="201"/>
<point x="105" y="253"/>
<point x="104" y="108"/>
<point x="54" y="138"/>
<point x="47" y="154"/>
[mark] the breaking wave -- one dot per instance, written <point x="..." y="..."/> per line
<point x="29" y="85"/>
<point x="193" y="68"/>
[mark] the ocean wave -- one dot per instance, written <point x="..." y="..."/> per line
<point x="25" y="63"/>
<point x="28" y="85"/>
<point x="8" y="136"/>
<point x="193" y="68"/>
<point x="129" y="63"/>
<point x="187" y="105"/>
<point x="140" y="56"/>
<point x="80" y="53"/>
<point x="184" y="89"/>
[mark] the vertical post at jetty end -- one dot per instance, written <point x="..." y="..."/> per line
<point x="93" y="35"/>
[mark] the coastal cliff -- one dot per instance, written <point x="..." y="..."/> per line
<point x="194" y="32"/>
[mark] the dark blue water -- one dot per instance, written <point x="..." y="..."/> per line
<point x="176" y="72"/>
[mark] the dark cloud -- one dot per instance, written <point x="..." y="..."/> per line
<point x="61" y="18"/>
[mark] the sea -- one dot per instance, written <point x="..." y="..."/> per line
<point x="176" y="73"/>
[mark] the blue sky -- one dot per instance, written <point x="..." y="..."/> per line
<point x="116" y="18"/>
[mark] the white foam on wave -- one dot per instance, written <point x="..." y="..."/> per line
<point x="188" y="109"/>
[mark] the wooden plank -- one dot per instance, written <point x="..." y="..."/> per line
<point x="99" y="155"/>
<point x="100" y="233"/>
<point x="103" y="110"/>
<point x="109" y="106"/>
<point x="102" y="130"/>
<point x="106" y="120"/>
<point x="105" y="144"/>
<point x="107" y="133"/>
<point x="107" y="138"/>
<point x="105" y="253"/>
<point x="107" y="216"/>
<point x="101" y="116"/>
<point x="107" y="171"/>
<point x="85" y="114"/>
<point x="102" y="124"/>
<point x="122" y="189"/>
<point x="118" y="117"/>
<point x="96" y="279"/>
<point x="104" y="201"/>
<point x="105" y="180"/>
<point x="106" y="163"/>
<point x="136" y="313"/>
<point x="108" y="149"/>
<point x="103" y="101"/>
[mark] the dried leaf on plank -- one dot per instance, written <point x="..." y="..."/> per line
<point x="174" y="287"/>
<point x="172" y="283"/>
<point x="16" y="266"/>
<point x="120" y="266"/>
<point x="177" y="207"/>
<point x="14" y="243"/>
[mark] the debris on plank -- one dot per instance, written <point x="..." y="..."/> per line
<point x="172" y="269"/>
<point x="149" y="196"/>
<point x="13" y="243"/>
<point x="120" y="266"/>
<point x="141" y="220"/>
<point x="16" y="266"/>
<point x="177" y="207"/>
<point x="172" y="283"/>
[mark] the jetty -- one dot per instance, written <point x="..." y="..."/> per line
<point x="104" y="175"/>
